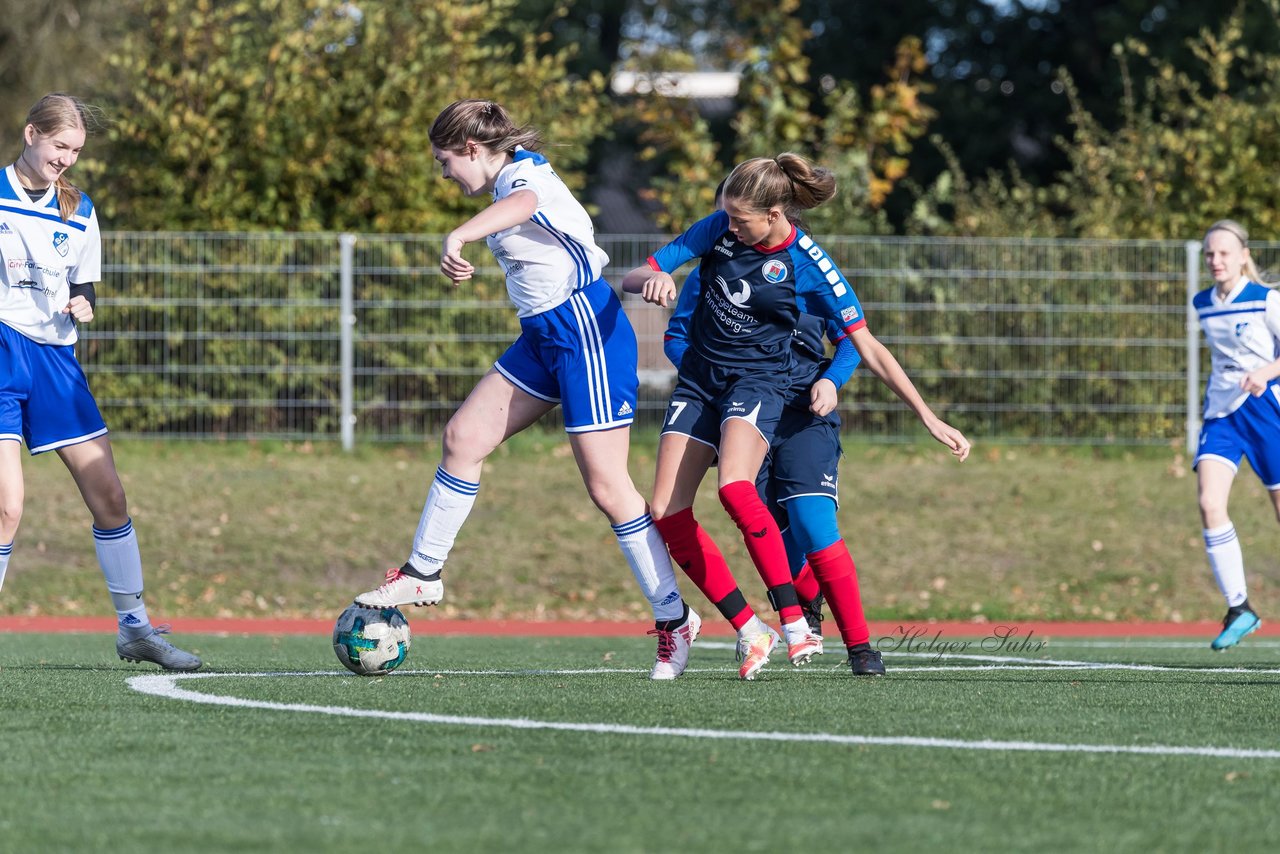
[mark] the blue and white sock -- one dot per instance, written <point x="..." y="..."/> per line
<point x="5" y="551"/>
<point x="646" y="554"/>
<point x="121" y="564"/>
<point x="1227" y="562"/>
<point x="449" y="503"/>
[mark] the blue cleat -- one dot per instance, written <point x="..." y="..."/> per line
<point x="1235" y="626"/>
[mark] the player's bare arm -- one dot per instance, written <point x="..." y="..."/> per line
<point x="516" y="208"/>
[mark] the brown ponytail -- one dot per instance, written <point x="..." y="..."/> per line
<point x="787" y="181"/>
<point x="484" y="122"/>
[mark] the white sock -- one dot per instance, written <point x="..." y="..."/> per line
<point x="1227" y="562"/>
<point x="121" y="565"/>
<point x="796" y="630"/>
<point x="449" y="503"/>
<point x="647" y="556"/>
<point x="754" y="626"/>
<point x="5" y="551"/>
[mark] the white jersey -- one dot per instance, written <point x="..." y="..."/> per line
<point x="1243" y="333"/>
<point x="43" y="256"/>
<point x="552" y="255"/>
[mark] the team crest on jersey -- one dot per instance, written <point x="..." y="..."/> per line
<point x="774" y="271"/>
<point x="60" y="243"/>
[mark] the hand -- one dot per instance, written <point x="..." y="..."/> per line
<point x="1254" y="383"/>
<point x="659" y="289"/>
<point x="952" y="438"/>
<point x="452" y="263"/>
<point x="823" y="397"/>
<point x="80" y="309"/>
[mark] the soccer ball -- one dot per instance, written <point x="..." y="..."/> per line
<point x="371" y="641"/>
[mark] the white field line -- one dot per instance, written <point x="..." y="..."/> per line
<point x="166" y="685"/>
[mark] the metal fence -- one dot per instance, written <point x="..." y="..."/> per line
<point x="359" y="338"/>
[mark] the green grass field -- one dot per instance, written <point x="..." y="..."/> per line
<point x="558" y="745"/>
<point x="260" y="529"/>
<point x="510" y="744"/>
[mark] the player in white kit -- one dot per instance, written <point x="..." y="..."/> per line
<point x="576" y="349"/>
<point x="1241" y="323"/>
<point x="51" y="254"/>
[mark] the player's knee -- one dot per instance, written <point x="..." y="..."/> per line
<point x="463" y="441"/>
<point x="663" y="507"/>
<point x="613" y="498"/>
<point x="10" y="516"/>
<point x="111" y="507"/>
<point x="1213" y="511"/>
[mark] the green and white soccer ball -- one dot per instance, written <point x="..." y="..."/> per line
<point x="371" y="641"/>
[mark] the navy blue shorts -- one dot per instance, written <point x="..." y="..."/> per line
<point x="582" y="355"/>
<point x="44" y="396"/>
<point x="804" y="458"/>
<point x="1251" y="431"/>
<point x="707" y="395"/>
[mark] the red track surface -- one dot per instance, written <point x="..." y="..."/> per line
<point x="921" y="631"/>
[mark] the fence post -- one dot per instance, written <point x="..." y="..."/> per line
<point x="346" y="332"/>
<point x="1193" y="349"/>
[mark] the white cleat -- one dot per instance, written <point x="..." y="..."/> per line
<point x="754" y="650"/>
<point x="402" y="589"/>
<point x="801" y="649"/>
<point x="673" y="648"/>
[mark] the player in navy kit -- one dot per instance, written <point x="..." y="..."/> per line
<point x="1241" y="323"/>
<point x="576" y="349"/>
<point x="799" y="481"/>
<point x="50" y="257"/>
<point x="756" y="268"/>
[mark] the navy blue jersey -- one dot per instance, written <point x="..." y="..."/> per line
<point x="751" y="295"/>
<point x="807" y="344"/>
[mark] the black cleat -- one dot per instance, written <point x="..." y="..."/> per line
<point x="812" y="611"/>
<point x="865" y="661"/>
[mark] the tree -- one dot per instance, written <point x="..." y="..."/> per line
<point x="313" y="114"/>
<point x="1194" y="145"/>
<point x="865" y="144"/>
<point x="36" y="40"/>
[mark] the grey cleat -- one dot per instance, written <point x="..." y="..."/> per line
<point x="157" y="650"/>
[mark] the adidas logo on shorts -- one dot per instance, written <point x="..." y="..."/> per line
<point x="5" y="229"/>
<point x="624" y="409"/>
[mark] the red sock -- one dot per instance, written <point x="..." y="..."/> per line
<point x="700" y="558"/>
<point x="806" y="583"/>
<point x="839" y="577"/>
<point x="764" y="544"/>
